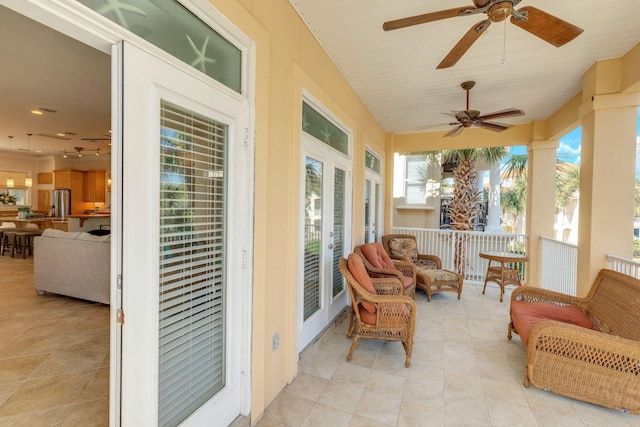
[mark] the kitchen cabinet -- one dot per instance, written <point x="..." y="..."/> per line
<point x="94" y="186"/>
<point x="72" y="180"/>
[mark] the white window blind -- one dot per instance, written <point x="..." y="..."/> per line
<point x="192" y="262"/>
<point x="339" y="195"/>
<point x="312" y="236"/>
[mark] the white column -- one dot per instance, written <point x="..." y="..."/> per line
<point x="493" y="216"/>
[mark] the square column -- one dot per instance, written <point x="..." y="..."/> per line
<point x="607" y="183"/>
<point x="541" y="194"/>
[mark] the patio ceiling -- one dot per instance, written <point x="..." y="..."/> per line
<point x="395" y="74"/>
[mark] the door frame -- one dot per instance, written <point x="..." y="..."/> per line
<point x="370" y="175"/>
<point x="312" y="147"/>
<point x="66" y="17"/>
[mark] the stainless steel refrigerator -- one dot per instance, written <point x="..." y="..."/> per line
<point x="61" y="203"/>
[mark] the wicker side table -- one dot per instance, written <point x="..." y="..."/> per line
<point x="502" y="272"/>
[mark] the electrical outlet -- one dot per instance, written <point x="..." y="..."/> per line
<point x="276" y="341"/>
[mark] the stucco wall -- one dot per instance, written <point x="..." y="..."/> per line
<point x="289" y="60"/>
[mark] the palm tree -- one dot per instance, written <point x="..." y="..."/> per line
<point x="463" y="208"/>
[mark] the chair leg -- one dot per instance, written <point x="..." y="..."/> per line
<point x="408" y="346"/>
<point x="353" y="347"/>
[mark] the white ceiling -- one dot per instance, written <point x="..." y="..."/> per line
<point x="395" y="75"/>
<point x="42" y="68"/>
<point x="393" y="72"/>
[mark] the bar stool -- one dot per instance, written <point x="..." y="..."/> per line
<point x="5" y="226"/>
<point x="23" y="242"/>
<point x="7" y="242"/>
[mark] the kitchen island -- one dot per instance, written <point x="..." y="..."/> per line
<point x="88" y="222"/>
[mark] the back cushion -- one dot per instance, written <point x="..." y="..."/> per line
<point x="405" y="247"/>
<point x="359" y="273"/>
<point x="376" y="255"/>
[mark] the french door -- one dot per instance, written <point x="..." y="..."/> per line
<point x="183" y="222"/>
<point x="372" y="207"/>
<point x="326" y="219"/>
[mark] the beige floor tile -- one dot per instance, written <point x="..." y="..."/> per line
<point x="307" y="386"/>
<point x="19" y="368"/>
<point x="289" y="409"/>
<point x="381" y="407"/>
<point x="46" y="392"/>
<point x="92" y="413"/>
<point x="417" y="415"/>
<point x="341" y="396"/>
<point x="68" y="361"/>
<point x="326" y="416"/>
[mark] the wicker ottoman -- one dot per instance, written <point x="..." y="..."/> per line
<point x="433" y="280"/>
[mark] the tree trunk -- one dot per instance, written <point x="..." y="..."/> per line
<point x="463" y="209"/>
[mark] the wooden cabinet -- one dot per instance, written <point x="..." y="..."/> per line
<point x="93" y="186"/>
<point x="72" y="180"/>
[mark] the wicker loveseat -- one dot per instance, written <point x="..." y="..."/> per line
<point x="585" y="348"/>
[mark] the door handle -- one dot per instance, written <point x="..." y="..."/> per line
<point x="330" y="245"/>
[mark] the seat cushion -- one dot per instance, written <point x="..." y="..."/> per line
<point x="359" y="273"/>
<point x="401" y="314"/>
<point x="408" y="281"/>
<point x="405" y="247"/>
<point x="438" y="275"/>
<point x="376" y="255"/>
<point x="526" y="315"/>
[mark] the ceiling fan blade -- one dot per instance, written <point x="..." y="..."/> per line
<point x="455" y="131"/>
<point x="509" y="112"/>
<point x="424" y="18"/>
<point x="464" y="44"/>
<point x="548" y="27"/>
<point x="496" y="127"/>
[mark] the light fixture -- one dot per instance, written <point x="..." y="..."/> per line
<point x="37" y="112"/>
<point x="28" y="182"/>
<point x="80" y="151"/>
<point x="65" y="154"/>
<point x="10" y="183"/>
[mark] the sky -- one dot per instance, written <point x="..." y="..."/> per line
<point x="569" y="147"/>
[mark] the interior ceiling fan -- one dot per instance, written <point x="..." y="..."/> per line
<point x="468" y="118"/>
<point x="539" y="23"/>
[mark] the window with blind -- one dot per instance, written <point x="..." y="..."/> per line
<point x="192" y="273"/>
<point x="312" y="236"/>
<point x="339" y="194"/>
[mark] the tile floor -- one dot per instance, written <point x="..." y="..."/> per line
<point x="464" y="372"/>
<point x="54" y="369"/>
<point x="54" y="355"/>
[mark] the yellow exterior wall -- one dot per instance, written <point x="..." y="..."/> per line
<point x="289" y="60"/>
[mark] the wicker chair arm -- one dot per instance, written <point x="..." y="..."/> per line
<point x="398" y="257"/>
<point x="535" y="294"/>
<point x="394" y="311"/>
<point x="556" y="340"/>
<point x="407" y="268"/>
<point x="387" y="285"/>
<point x="433" y="258"/>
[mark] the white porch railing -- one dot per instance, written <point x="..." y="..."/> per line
<point x="624" y="266"/>
<point x="443" y="242"/>
<point x="559" y="266"/>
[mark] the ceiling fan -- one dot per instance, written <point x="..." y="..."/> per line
<point x="468" y="118"/>
<point x="539" y="23"/>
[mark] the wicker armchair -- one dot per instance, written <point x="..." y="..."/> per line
<point x="430" y="276"/>
<point x="378" y="264"/>
<point x="379" y="309"/>
<point x="598" y="362"/>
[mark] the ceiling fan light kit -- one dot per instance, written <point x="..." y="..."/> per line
<point x="549" y="28"/>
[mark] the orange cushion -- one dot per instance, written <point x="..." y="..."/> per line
<point x="366" y="316"/>
<point x="408" y="281"/>
<point x="359" y="272"/>
<point x="528" y="314"/>
<point x="376" y="255"/>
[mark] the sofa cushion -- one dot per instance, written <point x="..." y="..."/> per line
<point x="60" y="234"/>
<point x="92" y="238"/>
<point x="404" y="247"/>
<point x="526" y="315"/>
<point x="376" y="255"/>
<point x="359" y="273"/>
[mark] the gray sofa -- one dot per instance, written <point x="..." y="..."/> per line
<point x="74" y="264"/>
